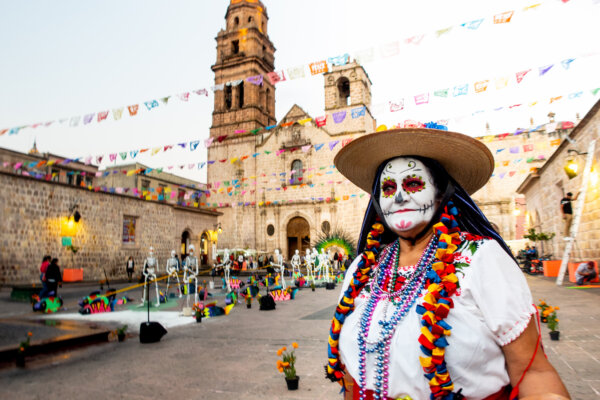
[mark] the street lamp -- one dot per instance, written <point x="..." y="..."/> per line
<point x="571" y="165"/>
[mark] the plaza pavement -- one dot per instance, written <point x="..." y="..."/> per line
<point x="233" y="357"/>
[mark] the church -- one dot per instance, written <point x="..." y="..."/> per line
<point x="291" y="194"/>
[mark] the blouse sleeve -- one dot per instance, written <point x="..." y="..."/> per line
<point x="500" y="292"/>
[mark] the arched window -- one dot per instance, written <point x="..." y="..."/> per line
<point x="296" y="177"/>
<point x="227" y="97"/>
<point x="236" y="21"/>
<point x="343" y="86"/>
<point x="250" y="19"/>
<point x="241" y="95"/>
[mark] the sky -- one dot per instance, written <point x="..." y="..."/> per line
<point x="70" y="58"/>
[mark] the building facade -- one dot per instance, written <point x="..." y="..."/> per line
<point x="545" y="188"/>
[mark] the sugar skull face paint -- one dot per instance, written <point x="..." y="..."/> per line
<point x="413" y="203"/>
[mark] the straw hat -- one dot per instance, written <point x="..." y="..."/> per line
<point x="466" y="159"/>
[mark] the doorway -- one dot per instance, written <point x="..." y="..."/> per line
<point x="185" y="244"/>
<point x="298" y="236"/>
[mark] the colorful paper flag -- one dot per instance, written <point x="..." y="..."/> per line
<point x="441" y="93"/>
<point x="102" y="115"/>
<point x="461" y="90"/>
<point x="318" y="67"/>
<point x="339" y="60"/>
<point x="202" y="92"/>
<point x="339" y="116"/>
<point x="151" y="104"/>
<point x="321" y="121"/>
<point x="472" y="24"/>
<point x="503" y="18"/>
<point x="358" y="112"/>
<point x="422" y="98"/>
<point x="133" y="109"/>
<point x="396" y="106"/>
<point x="390" y="49"/>
<point x="88" y="118"/>
<point x="276" y="76"/>
<point x="481" y="86"/>
<point x="296" y="72"/>
<point x="255" y="80"/>
<point x="545" y="69"/>
<point x="220" y="86"/>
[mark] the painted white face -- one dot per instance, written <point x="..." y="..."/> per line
<point x="407" y="194"/>
<point x="172" y="253"/>
<point x="151" y="251"/>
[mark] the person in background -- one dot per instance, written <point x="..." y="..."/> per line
<point x="567" y="213"/>
<point x="585" y="273"/>
<point x="130" y="265"/>
<point x="53" y="277"/>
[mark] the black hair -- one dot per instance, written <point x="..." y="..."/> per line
<point x="54" y="261"/>
<point x="47" y="258"/>
<point x="569" y="194"/>
<point x="470" y="219"/>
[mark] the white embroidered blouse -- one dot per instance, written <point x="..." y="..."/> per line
<point x="491" y="309"/>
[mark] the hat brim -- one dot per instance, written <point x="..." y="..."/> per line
<point x="466" y="159"/>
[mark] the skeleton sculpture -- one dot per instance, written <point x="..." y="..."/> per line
<point x="150" y="270"/>
<point x="310" y="264"/>
<point x="317" y="265"/>
<point x="295" y="261"/>
<point x="324" y="263"/>
<point x="279" y="267"/>
<point x="226" y="267"/>
<point x="172" y="269"/>
<point x="190" y="273"/>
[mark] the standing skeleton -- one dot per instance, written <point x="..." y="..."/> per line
<point x="190" y="273"/>
<point x="150" y="269"/>
<point x="295" y="261"/>
<point x="310" y="265"/>
<point x="280" y="267"/>
<point x="172" y="269"/>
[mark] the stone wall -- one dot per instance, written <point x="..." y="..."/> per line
<point x="34" y="215"/>
<point x="545" y="189"/>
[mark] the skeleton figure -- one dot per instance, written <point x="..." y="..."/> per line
<point x="172" y="269"/>
<point x="278" y="264"/>
<point x="324" y="264"/>
<point x="226" y="267"/>
<point x="295" y="261"/>
<point x="150" y="270"/>
<point x="317" y="266"/>
<point x="190" y="273"/>
<point x="310" y="264"/>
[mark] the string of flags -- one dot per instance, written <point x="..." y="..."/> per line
<point x="319" y="67"/>
<point x="331" y="145"/>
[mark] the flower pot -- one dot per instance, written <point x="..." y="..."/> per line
<point x="20" y="360"/>
<point x="248" y="305"/>
<point x="554" y="335"/>
<point x="121" y="337"/>
<point x="292" y="383"/>
<point x="198" y="318"/>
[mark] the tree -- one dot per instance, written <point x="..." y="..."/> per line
<point x="541" y="237"/>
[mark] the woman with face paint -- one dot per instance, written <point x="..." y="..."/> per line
<point x="435" y="305"/>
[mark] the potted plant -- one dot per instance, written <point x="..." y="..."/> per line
<point x="542" y="307"/>
<point x="553" y="322"/>
<point x="198" y="311"/>
<point x="248" y="300"/>
<point x="121" y="333"/>
<point x="21" y="352"/>
<point x="287" y="366"/>
<point x="312" y="285"/>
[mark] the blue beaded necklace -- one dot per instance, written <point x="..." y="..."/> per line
<point x="403" y="299"/>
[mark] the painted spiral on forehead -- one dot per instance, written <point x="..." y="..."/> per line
<point x="413" y="184"/>
<point x="388" y="187"/>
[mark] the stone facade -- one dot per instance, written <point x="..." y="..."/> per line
<point x="545" y="188"/>
<point x="34" y="215"/>
<point x="499" y="199"/>
<point x="154" y="185"/>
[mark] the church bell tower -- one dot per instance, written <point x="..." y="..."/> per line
<point x="244" y="50"/>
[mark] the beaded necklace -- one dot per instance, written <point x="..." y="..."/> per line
<point x="403" y="299"/>
<point x="440" y="282"/>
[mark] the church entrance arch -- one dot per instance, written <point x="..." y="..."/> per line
<point x="298" y="236"/>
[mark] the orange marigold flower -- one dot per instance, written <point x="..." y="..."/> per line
<point x="283" y="348"/>
<point x="295" y="345"/>
<point x="22" y="348"/>
<point x="279" y="352"/>
<point x="29" y="334"/>
<point x="557" y="319"/>
<point x="557" y="308"/>
<point x="285" y="364"/>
